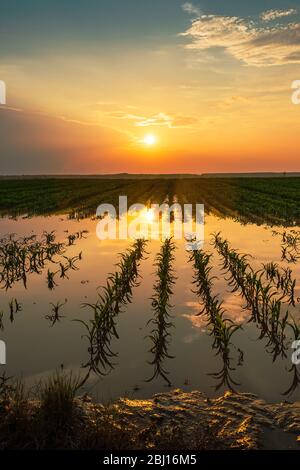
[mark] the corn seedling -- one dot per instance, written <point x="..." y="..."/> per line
<point x="282" y="279"/>
<point x="222" y="329"/>
<point x="290" y="245"/>
<point x="101" y="329"/>
<point x="20" y="257"/>
<point x="50" y="280"/>
<point x="160" y="335"/>
<point x="14" y="307"/>
<point x="55" y="315"/>
<point x="260" y="298"/>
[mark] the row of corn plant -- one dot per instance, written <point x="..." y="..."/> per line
<point x="101" y="329"/>
<point x="282" y="279"/>
<point x="22" y="256"/>
<point x="222" y="329"/>
<point x="290" y="245"/>
<point x="260" y="299"/>
<point x="161" y="321"/>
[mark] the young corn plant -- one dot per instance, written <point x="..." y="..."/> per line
<point x="290" y="245"/>
<point x="260" y="299"/>
<point x="282" y="280"/>
<point x="102" y="328"/>
<point x="222" y="329"/>
<point x="161" y="322"/>
<point x="55" y="315"/>
<point x="20" y="257"/>
<point x="14" y="307"/>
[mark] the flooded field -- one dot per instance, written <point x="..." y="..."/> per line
<point x="41" y="333"/>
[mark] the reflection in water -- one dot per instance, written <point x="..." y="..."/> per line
<point x="55" y="315"/>
<point x="102" y="329"/>
<point x="163" y="289"/>
<point x="27" y="255"/>
<point x="222" y="329"/>
<point x="14" y="307"/>
<point x="294" y="371"/>
<point x="290" y="245"/>
<point x="190" y="343"/>
<point x="261" y="298"/>
<point x="282" y="279"/>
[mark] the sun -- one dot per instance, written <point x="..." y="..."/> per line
<point x="149" y="139"/>
<point x="149" y="215"/>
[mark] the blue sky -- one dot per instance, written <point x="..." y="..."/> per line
<point x="33" y="25"/>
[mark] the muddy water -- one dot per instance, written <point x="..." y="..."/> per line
<point x="35" y="349"/>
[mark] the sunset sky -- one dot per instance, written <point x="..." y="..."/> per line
<point x="160" y="86"/>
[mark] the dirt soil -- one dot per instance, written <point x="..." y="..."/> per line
<point x="243" y="420"/>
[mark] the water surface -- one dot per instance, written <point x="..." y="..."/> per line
<point x="35" y="349"/>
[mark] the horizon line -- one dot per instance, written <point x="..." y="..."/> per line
<point x="125" y="174"/>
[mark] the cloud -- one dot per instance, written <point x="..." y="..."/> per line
<point x="191" y="9"/>
<point x="160" y="119"/>
<point x="232" y="304"/>
<point x="249" y="41"/>
<point x="271" y="15"/>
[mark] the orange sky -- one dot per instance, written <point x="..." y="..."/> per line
<point x="214" y="92"/>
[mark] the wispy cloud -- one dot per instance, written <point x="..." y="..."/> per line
<point x="248" y="40"/>
<point x="160" y="119"/>
<point x="191" y="9"/>
<point x="271" y="15"/>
